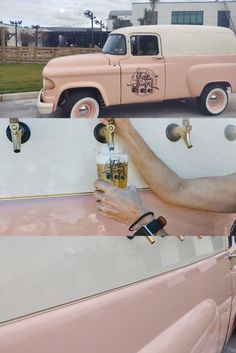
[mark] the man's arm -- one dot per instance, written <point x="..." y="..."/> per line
<point x="216" y="194"/>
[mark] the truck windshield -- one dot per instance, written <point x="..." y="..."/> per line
<point x="115" y="45"/>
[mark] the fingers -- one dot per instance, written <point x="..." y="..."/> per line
<point x="105" y="210"/>
<point x="102" y="185"/>
<point x="101" y="196"/>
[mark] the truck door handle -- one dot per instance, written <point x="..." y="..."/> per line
<point x="157" y="57"/>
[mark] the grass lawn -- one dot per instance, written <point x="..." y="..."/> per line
<point x="20" y="77"/>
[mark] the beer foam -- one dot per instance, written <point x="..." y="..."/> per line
<point x="104" y="158"/>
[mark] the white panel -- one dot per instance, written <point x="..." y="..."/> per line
<point x="39" y="273"/>
<point x="59" y="158"/>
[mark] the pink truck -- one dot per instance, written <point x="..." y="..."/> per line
<point x="115" y="295"/>
<point x="145" y="64"/>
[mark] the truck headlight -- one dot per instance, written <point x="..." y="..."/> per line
<point x="48" y="84"/>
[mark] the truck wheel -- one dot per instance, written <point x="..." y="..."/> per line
<point x="81" y="105"/>
<point x="213" y="100"/>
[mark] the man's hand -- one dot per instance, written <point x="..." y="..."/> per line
<point x="122" y="205"/>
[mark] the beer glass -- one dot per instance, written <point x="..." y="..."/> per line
<point x="112" y="167"/>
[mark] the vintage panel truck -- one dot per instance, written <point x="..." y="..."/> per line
<point x="145" y="64"/>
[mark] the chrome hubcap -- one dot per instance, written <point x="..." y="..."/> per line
<point x="83" y="110"/>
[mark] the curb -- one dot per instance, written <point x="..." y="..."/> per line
<point x="16" y="96"/>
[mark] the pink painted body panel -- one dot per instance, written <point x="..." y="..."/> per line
<point x="192" y="72"/>
<point x="189" y="308"/>
<point x="77" y="215"/>
<point x="232" y="324"/>
<point x="82" y="71"/>
<point x="179" y="76"/>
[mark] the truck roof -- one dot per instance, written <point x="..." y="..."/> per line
<point x="188" y="39"/>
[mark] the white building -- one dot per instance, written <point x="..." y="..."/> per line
<point x="25" y="35"/>
<point x="219" y="13"/>
<point x="121" y="15"/>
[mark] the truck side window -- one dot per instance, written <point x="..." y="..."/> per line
<point x="142" y="45"/>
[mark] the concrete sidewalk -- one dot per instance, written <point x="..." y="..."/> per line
<point x="18" y="96"/>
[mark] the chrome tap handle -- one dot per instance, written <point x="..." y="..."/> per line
<point x="186" y="132"/>
<point x="16" y="134"/>
<point x="181" y="237"/>
<point x="105" y="134"/>
<point x="151" y="239"/>
<point x="175" y="132"/>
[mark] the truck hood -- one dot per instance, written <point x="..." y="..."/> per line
<point x="78" y="61"/>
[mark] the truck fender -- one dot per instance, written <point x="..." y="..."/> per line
<point x="199" y="76"/>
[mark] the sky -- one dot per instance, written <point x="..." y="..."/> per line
<point x="59" y="12"/>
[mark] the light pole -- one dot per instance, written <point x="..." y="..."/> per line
<point x="90" y="15"/>
<point x="102" y="26"/>
<point x="16" y="24"/>
<point x="36" y="27"/>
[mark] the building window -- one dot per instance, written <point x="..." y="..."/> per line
<point x="187" y="18"/>
<point x="224" y="18"/>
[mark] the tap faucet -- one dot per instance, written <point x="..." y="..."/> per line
<point x="175" y="132"/>
<point x="181" y="237"/>
<point x="105" y="134"/>
<point x="18" y="133"/>
<point x="151" y="239"/>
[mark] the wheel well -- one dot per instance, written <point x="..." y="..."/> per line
<point x="224" y="84"/>
<point x="94" y="91"/>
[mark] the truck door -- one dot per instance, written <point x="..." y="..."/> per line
<point x="232" y="257"/>
<point x="143" y="71"/>
<point x="53" y="295"/>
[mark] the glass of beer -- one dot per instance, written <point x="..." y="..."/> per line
<point x="112" y="167"/>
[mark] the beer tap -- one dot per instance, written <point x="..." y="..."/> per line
<point x="105" y="133"/>
<point x="18" y="133"/>
<point x="230" y="132"/>
<point x="181" y="237"/>
<point x="175" y="132"/>
<point x="151" y="239"/>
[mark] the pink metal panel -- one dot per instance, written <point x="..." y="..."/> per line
<point x="233" y="305"/>
<point x="77" y="215"/>
<point x="187" y="306"/>
<point x="201" y="338"/>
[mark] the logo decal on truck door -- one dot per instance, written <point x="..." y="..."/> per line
<point x="143" y="82"/>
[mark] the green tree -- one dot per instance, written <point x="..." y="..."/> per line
<point x="153" y="4"/>
<point x="145" y="19"/>
<point x="149" y="16"/>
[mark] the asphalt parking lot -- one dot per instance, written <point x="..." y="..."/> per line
<point x="26" y="108"/>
